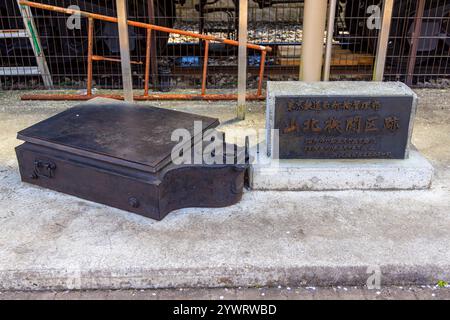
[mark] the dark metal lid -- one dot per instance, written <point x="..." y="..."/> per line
<point x="125" y="134"/>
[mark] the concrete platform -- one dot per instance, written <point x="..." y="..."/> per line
<point x="50" y="240"/>
<point x="413" y="173"/>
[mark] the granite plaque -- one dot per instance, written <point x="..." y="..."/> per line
<point x="342" y="127"/>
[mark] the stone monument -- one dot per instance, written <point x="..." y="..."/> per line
<point x="341" y="135"/>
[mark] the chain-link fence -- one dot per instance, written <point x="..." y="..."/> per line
<point x="427" y="23"/>
<point x="177" y="60"/>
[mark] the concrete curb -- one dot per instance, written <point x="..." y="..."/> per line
<point x="313" y="276"/>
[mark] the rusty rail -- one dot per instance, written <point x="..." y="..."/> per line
<point x="177" y="96"/>
<point x="149" y="27"/>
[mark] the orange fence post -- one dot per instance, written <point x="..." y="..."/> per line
<point x="147" y="61"/>
<point x="205" y="67"/>
<point x="261" y="72"/>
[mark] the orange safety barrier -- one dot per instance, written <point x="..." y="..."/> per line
<point x="150" y="27"/>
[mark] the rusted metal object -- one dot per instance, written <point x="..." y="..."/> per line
<point x="142" y="25"/>
<point x="261" y="72"/>
<point x="129" y="167"/>
<point x="415" y="40"/>
<point x="150" y="28"/>
<point x="205" y="68"/>
<point x="150" y="97"/>
<point x="147" y="61"/>
<point x="101" y="58"/>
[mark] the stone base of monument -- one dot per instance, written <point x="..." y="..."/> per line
<point x="340" y="136"/>
<point x="413" y="173"/>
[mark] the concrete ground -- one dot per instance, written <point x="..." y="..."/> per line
<point x="51" y="241"/>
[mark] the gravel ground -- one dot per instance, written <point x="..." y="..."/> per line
<point x="257" y="32"/>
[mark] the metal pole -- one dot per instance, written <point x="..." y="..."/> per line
<point x="415" y="41"/>
<point x="242" y="59"/>
<point x="90" y="53"/>
<point x="315" y="16"/>
<point x="205" y="68"/>
<point x="124" y="50"/>
<point x="329" y="45"/>
<point x="153" y="53"/>
<point x="383" y="40"/>
<point x="262" y="63"/>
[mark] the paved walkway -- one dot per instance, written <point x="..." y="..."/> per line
<point x="49" y="240"/>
